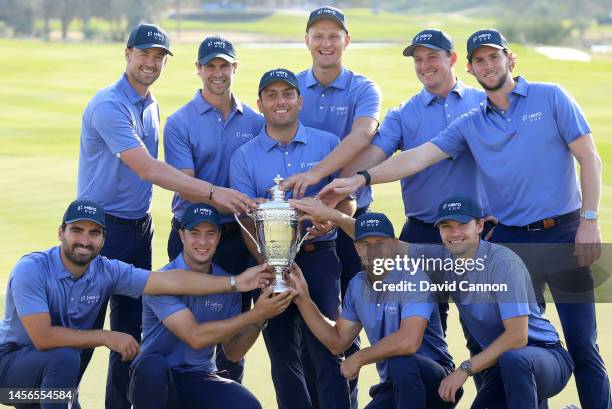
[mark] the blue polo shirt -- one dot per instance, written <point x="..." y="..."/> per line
<point x="40" y="283"/>
<point x="156" y="338"/>
<point x="523" y="155"/>
<point x="115" y="120"/>
<point x="255" y="164"/>
<point x="417" y="121"/>
<point x="196" y="137"/>
<point x="334" y="108"/>
<point x="483" y="310"/>
<point x="381" y="314"/>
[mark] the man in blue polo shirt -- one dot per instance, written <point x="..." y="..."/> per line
<point x="521" y="350"/>
<point x="176" y="367"/>
<point x="117" y="168"/>
<point x="524" y="139"/>
<point x="403" y="328"/>
<point x="199" y="140"/>
<point x="54" y="298"/>
<point x="285" y="147"/>
<point x="342" y="102"/>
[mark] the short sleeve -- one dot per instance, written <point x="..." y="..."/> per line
<point x="569" y="116"/>
<point x="28" y="288"/>
<point x="177" y="146"/>
<point x="240" y="178"/>
<point x="451" y="140"/>
<point x="389" y="135"/>
<point x="348" y="307"/>
<point x="114" y="125"/>
<point x="418" y="303"/>
<point x="164" y="306"/>
<point x="513" y="300"/>
<point x="127" y="279"/>
<point x="369" y="102"/>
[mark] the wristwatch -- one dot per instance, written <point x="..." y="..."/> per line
<point x="466" y="366"/>
<point x="589" y="215"/>
<point x="232" y="282"/>
<point x="366" y="176"/>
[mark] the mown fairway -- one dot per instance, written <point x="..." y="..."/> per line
<point x="44" y="88"/>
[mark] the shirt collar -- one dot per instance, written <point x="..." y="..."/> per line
<point x="341" y="81"/>
<point x="521" y="88"/>
<point x="133" y="96"/>
<point x="301" y="136"/>
<point x="60" y="270"/>
<point x="202" y="106"/>
<point x="428" y="97"/>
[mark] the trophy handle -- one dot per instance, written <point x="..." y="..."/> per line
<point x="247" y="232"/>
<point x="302" y="241"/>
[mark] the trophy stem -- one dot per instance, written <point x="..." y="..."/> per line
<point x="279" y="285"/>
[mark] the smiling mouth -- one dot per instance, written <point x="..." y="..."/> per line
<point x="428" y="74"/>
<point x="281" y="111"/>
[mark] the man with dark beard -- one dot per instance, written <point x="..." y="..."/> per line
<point x="524" y="139"/>
<point x="54" y="296"/>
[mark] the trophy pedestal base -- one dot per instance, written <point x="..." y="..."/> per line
<point x="279" y="286"/>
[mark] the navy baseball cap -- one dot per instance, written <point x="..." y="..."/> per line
<point x="460" y="209"/>
<point x="279" y="74"/>
<point x="82" y="209"/>
<point x="490" y="37"/>
<point x="149" y="36"/>
<point x="198" y="213"/>
<point x="373" y="224"/>
<point x="430" y="38"/>
<point x="216" y="46"/>
<point x="327" y="13"/>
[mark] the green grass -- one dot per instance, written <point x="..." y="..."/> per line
<point x="44" y="88"/>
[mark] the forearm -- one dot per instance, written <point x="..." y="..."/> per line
<point x="218" y="332"/>
<point x="394" y="344"/>
<point x="590" y="183"/>
<point x="344" y="153"/>
<point x="183" y="282"/>
<point x="347" y="207"/>
<point x="489" y="356"/>
<point x="62" y="337"/>
<point x="170" y="178"/>
<point x="238" y="346"/>
<point x="321" y="327"/>
<point x="406" y="163"/>
<point x="369" y="157"/>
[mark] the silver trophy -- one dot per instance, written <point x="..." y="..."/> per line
<point x="278" y="233"/>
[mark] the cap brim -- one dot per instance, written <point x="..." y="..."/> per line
<point x="226" y="57"/>
<point x="373" y="233"/>
<point x="265" y="84"/>
<point x="153" y="45"/>
<point x="409" y="51"/>
<point x="499" y="47"/>
<point x="461" y="218"/>
<point x="78" y="219"/>
<point x="194" y="223"/>
<point x="326" y="17"/>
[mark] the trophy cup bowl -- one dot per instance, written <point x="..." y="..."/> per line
<point x="277" y="233"/>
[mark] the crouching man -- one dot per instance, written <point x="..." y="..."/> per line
<point x="54" y="297"/>
<point x="404" y="330"/>
<point x="176" y="368"/>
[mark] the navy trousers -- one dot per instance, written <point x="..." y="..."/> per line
<point x="351" y="265"/>
<point x="286" y="335"/>
<point x="577" y="317"/>
<point x="28" y="367"/>
<point x="525" y="378"/>
<point x="154" y="385"/>
<point x="413" y="384"/>
<point x="232" y="256"/>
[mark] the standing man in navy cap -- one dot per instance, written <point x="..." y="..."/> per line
<point x="525" y="129"/>
<point x="285" y="147"/>
<point x="199" y="140"/>
<point x="118" y="167"/>
<point x="181" y="334"/>
<point x="55" y="296"/>
<point x="342" y="102"/>
<point x="442" y="99"/>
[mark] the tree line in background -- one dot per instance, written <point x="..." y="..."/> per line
<point x="525" y="21"/>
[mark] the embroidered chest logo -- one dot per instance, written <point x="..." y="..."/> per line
<point x="391" y="309"/>
<point x="244" y="136"/>
<point x="308" y="165"/>
<point x="339" y="110"/>
<point x="536" y="116"/>
<point x="213" y="305"/>
<point x="90" y="299"/>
